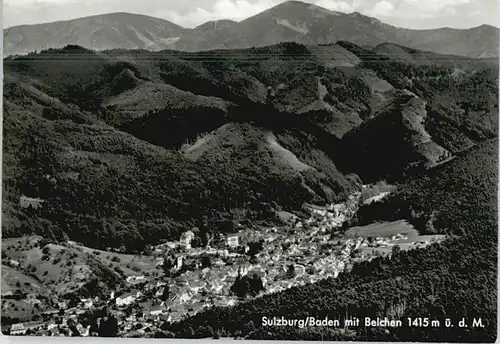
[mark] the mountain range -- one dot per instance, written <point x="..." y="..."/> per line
<point x="289" y="21"/>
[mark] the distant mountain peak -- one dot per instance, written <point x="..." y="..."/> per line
<point x="211" y="23"/>
<point x="298" y="5"/>
<point x="291" y="20"/>
<point x="295" y="2"/>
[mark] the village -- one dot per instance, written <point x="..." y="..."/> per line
<point x="299" y="252"/>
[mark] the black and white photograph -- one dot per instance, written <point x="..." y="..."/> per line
<point x="316" y="170"/>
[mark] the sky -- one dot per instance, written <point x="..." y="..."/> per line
<point x="414" y="14"/>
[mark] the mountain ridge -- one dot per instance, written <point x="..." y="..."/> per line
<point x="289" y="21"/>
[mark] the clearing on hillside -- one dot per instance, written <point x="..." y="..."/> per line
<point x="284" y="155"/>
<point x="384" y="229"/>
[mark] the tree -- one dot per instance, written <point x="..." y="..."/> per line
<point x="166" y="293"/>
<point x="246" y="286"/>
<point x="210" y="331"/>
<point x="206" y="262"/>
<point x="160" y="334"/>
<point x="18" y="295"/>
<point x="205" y="238"/>
<point x="291" y="272"/>
<point x="168" y="264"/>
<point x="196" y="242"/>
<point x="255" y="247"/>
<point x="190" y="332"/>
<point x="250" y="326"/>
<point x="108" y="327"/>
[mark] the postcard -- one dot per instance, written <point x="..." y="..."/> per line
<point x="258" y="170"/>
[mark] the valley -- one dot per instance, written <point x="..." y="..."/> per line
<point x="298" y="252"/>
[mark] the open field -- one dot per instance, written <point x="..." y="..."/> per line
<point x="14" y="281"/>
<point x="130" y="264"/>
<point x="374" y="192"/>
<point x="407" y="237"/>
<point x="384" y="229"/>
<point x="55" y="265"/>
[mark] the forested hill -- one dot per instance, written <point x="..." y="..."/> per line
<point x="452" y="280"/>
<point x="124" y="148"/>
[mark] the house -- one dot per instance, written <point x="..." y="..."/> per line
<point x="33" y="301"/>
<point x="178" y="262"/>
<point x="160" y="284"/>
<point x="233" y="241"/>
<point x="229" y="279"/>
<point x="299" y="270"/>
<point x="184" y="298"/>
<point x="186" y="239"/>
<point x="171" y="245"/>
<point x="54" y="331"/>
<point x="216" y="287"/>
<point x="287" y="217"/>
<point x="125" y="300"/>
<point x="398" y="236"/>
<point x="17" y="330"/>
<point x="87" y="303"/>
<point x="257" y="271"/>
<point x="135" y="279"/>
<point x="27" y="202"/>
<point x="7" y="294"/>
<point x="159" y="292"/>
<point x="269" y="238"/>
<point x="219" y="262"/>
<point x="156" y="310"/>
<point x="13" y="263"/>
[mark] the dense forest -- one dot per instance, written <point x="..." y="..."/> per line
<point x="67" y="134"/>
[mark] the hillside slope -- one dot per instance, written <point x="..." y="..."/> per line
<point x="52" y="274"/>
<point x="123" y="30"/>
<point x="87" y="139"/>
<point x="394" y="141"/>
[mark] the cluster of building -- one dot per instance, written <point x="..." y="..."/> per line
<point x="303" y="251"/>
